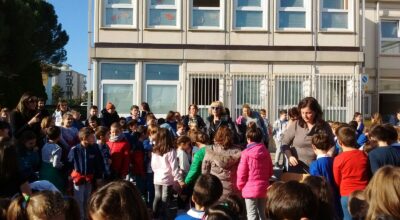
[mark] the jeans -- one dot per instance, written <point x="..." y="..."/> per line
<point x="164" y="205"/>
<point x="81" y="195"/>
<point x="255" y="208"/>
<point x="344" y="200"/>
<point x="149" y="189"/>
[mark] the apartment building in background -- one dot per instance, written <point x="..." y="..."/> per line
<point x="72" y="83"/>
<point x="267" y="53"/>
<point x="382" y="56"/>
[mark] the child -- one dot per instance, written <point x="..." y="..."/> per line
<point x="180" y="129"/>
<point x="183" y="152"/>
<point x="323" y="166"/>
<point x="77" y="123"/>
<point x="201" y="140"/>
<point x="51" y="159"/>
<point x="102" y="135"/>
<point x="28" y="156"/>
<point x="93" y="113"/>
<point x="264" y="117"/>
<point x="164" y="163"/>
<point x="117" y="200"/>
<point x="323" y="192"/>
<point x="124" y="126"/>
<point x="135" y="114"/>
<point x="350" y="168"/>
<point x="254" y="171"/>
<point x="46" y="205"/>
<point x="119" y="148"/>
<point x="279" y="128"/>
<point x="87" y="164"/>
<point x="358" y="206"/>
<point x="206" y="192"/>
<point x="93" y="122"/>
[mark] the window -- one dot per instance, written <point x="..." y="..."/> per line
<point x="162" y="82"/>
<point x="250" y="15"/>
<point x="390" y="37"/>
<point x="163" y="14"/>
<point x="337" y="14"/>
<point x="207" y="14"/>
<point x="120" y="13"/>
<point x="293" y="14"/>
<point x="118" y="85"/>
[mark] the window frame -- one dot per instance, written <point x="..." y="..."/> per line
<point x="350" y="17"/>
<point x="132" y="5"/>
<point x="152" y="82"/>
<point x="263" y="8"/>
<point x="381" y="38"/>
<point x="306" y="9"/>
<point x="221" y="26"/>
<point x="177" y="7"/>
<point x="132" y="82"/>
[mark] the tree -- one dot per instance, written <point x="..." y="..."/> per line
<point x="31" y="39"/>
<point x="56" y="93"/>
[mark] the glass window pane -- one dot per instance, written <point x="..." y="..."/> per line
<point x="334" y="20"/>
<point x="206" y="18"/>
<point x="120" y="95"/>
<point x="206" y="3"/>
<point x="162" y="17"/>
<point x="292" y="3"/>
<point x="117" y="71"/>
<point x="162" y="2"/>
<point x="119" y="1"/>
<point x="335" y="4"/>
<point x="289" y="93"/>
<point x="162" y="72"/>
<point x="248" y="91"/>
<point x="162" y="98"/>
<point x="119" y="16"/>
<point x="292" y="19"/>
<point x="249" y="18"/>
<point x="249" y="3"/>
<point x="389" y="29"/>
<point x="390" y="47"/>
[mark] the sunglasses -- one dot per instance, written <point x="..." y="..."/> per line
<point x="215" y="107"/>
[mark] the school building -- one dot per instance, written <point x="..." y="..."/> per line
<point x="268" y="53"/>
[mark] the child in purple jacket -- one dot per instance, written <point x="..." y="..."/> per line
<point x="254" y="171"/>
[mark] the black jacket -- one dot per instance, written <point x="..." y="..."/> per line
<point x="107" y="119"/>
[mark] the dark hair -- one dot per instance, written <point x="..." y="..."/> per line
<point x="122" y="118"/>
<point x="164" y="142"/>
<point x="199" y="136"/>
<point x="353" y="124"/>
<point x="134" y="107"/>
<point x="118" y="200"/>
<point x="84" y="133"/>
<point x="292" y="200"/>
<point x="145" y="106"/>
<point x="323" y="191"/>
<point x="321" y="141"/>
<point x="59" y="104"/>
<point x="254" y="134"/>
<point x="93" y="118"/>
<point x="170" y="116"/>
<point x="4" y="125"/>
<point x="94" y="107"/>
<point x="4" y="204"/>
<point x="356" y="114"/>
<point x="207" y="190"/>
<point x="220" y="212"/>
<point x="53" y="132"/>
<point x="358" y="206"/>
<point x="313" y="104"/>
<point x="26" y="136"/>
<point x="101" y="131"/>
<point x="385" y="132"/>
<point x="132" y="122"/>
<point x="263" y="110"/>
<point x="183" y="140"/>
<point x="223" y="136"/>
<point x="194" y="106"/>
<point x="141" y="129"/>
<point x="180" y="125"/>
<point x="41" y="99"/>
<point x="8" y="161"/>
<point x="294" y="113"/>
<point x="116" y="125"/>
<point x="347" y="135"/>
<point x="283" y="111"/>
<point x="71" y="207"/>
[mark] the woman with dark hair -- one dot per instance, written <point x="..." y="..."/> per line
<point x="25" y="116"/>
<point x="296" y="141"/>
<point x="222" y="160"/>
<point x="145" y="108"/>
<point x="219" y="117"/>
<point x="193" y="120"/>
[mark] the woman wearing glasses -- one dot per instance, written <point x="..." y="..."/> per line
<point x="217" y="118"/>
<point x="25" y="116"/>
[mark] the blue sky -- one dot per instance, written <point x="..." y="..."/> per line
<point x="72" y="14"/>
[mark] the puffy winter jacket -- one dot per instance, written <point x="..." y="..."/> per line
<point x="254" y="171"/>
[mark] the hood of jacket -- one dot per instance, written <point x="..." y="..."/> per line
<point x="256" y="150"/>
<point x="224" y="158"/>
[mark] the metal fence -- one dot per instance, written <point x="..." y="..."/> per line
<point x="335" y="92"/>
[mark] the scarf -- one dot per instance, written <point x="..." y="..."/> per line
<point x="117" y="138"/>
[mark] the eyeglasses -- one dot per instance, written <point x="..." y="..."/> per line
<point x="215" y="107"/>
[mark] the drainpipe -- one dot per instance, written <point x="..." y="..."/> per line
<point x="89" y="71"/>
<point x="315" y="42"/>
<point x="378" y="52"/>
<point x="363" y="51"/>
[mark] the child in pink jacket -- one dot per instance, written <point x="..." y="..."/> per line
<point x="254" y="171"/>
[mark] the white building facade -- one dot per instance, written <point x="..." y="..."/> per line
<point x="267" y="53"/>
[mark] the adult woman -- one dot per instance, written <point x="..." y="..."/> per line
<point x="218" y="118"/>
<point x="62" y="108"/>
<point x="245" y="119"/>
<point x="383" y="193"/>
<point x="193" y="119"/>
<point x="145" y="108"/>
<point x="299" y="135"/>
<point x="25" y="117"/>
<point x="222" y="160"/>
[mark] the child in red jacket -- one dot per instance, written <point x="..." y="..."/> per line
<point x="119" y="149"/>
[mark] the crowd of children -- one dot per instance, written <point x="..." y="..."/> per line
<point x="142" y="168"/>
